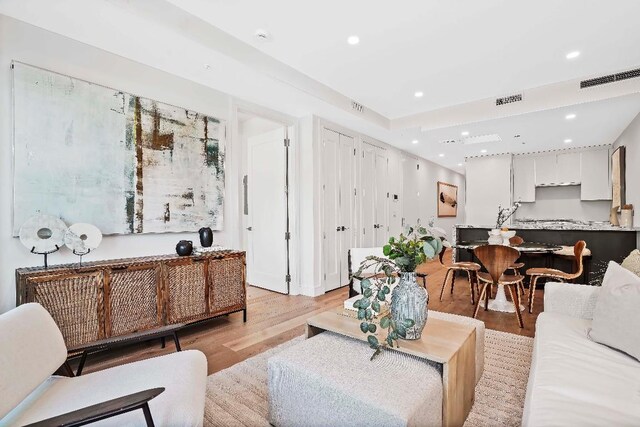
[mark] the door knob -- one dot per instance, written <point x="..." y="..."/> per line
<point x="343" y="228"/>
<point x="249" y="228"/>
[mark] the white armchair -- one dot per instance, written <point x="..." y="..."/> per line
<point x="167" y="390"/>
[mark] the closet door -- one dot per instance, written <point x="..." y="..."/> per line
<point x="381" y="193"/>
<point x="346" y="203"/>
<point x="331" y="209"/>
<point x="410" y="191"/>
<point x="368" y="196"/>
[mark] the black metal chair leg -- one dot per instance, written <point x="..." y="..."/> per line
<point x="83" y="359"/>
<point x="176" y="341"/>
<point x="163" y="341"/>
<point x="147" y="415"/>
<point x="244" y="315"/>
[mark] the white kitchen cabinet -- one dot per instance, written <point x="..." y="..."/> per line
<point x="488" y="186"/>
<point x="595" y="175"/>
<point x="568" y="168"/>
<point x="546" y="170"/>
<point x="524" y="179"/>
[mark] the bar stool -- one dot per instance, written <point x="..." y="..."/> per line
<point x="552" y="273"/>
<point x="471" y="268"/>
<point x="497" y="259"/>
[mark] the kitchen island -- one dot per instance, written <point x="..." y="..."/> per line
<point x="607" y="243"/>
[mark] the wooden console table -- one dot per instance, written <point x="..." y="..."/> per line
<point x="103" y="299"/>
<point x="451" y="344"/>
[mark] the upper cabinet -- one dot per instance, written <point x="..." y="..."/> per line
<point x="595" y="175"/>
<point x="524" y="182"/>
<point x="558" y="169"/>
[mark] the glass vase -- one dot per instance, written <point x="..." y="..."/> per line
<point x="409" y="301"/>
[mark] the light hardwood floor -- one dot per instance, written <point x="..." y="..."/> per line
<point x="274" y="318"/>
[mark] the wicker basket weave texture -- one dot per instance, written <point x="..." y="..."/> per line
<point x="227" y="275"/>
<point x="186" y="287"/>
<point x="74" y="304"/>
<point x="133" y="300"/>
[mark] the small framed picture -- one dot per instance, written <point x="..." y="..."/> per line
<point x="447" y="200"/>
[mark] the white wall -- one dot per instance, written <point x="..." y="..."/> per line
<point x="488" y="185"/>
<point x="630" y="138"/>
<point x="29" y="44"/>
<point x="564" y="203"/>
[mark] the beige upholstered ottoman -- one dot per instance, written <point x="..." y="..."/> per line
<point x="328" y="380"/>
<point x="479" y="325"/>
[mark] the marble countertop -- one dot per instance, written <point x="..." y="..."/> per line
<point x="556" y="225"/>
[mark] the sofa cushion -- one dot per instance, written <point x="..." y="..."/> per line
<point x="632" y="262"/>
<point x="183" y="374"/>
<point x="617" y="314"/>
<point x="577" y="382"/>
<point x="31" y="349"/>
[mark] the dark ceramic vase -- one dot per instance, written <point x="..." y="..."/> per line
<point x="184" y="247"/>
<point x="206" y="237"/>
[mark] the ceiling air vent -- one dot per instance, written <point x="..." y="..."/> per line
<point x="611" y="78"/>
<point x="509" y="99"/>
<point x="448" y="141"/>
<point x="357" y="107"/>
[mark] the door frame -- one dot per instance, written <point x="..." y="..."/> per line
<point x="291" y="196"/>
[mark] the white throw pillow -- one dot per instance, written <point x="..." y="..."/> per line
<point x="617" y="314"/>
<point x="632" y="262"/>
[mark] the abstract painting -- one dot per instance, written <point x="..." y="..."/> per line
<point x="447" y="200"/>
<point x="127" y="164"/>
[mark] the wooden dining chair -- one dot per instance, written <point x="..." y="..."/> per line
<point x="517" y="241"/>
<point x="497" y="259"/>
<point x="551" y="273"/>
<point x="471" y="268"/>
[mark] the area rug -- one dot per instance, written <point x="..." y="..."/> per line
<point x="237" y="396"/>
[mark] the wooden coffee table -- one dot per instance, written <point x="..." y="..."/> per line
<point x="451" y="344"/>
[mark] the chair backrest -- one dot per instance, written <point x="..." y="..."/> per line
<point x="516" y="241"/>
<point x="31" y="350"/>
<point x="357" y="255"/>
<point x="496" y="259"/>
<point x="578" y="249"/>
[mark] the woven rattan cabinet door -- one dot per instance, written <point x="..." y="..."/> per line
<point x="75" y="301"/>
<point x="132" y="299"/>
<point x="185" y="286"/>
<point x="226" y="284"/>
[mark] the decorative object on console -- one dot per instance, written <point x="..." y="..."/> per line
<point x="184" y="247"/>
<point x="632" y="262"/>
<point x="618" y="181"/>
<point x="613" y="216"/>
<point x="507" y="235"/>
<point x="206" y="237"/>
<point x="82" y="238"/>
<point x="447" y="200"/>
<point x="495" y="236"/>
<point x="135" y="165"/>
<point x="626" y="216"/>
<point x="43" y="234"/>
<point x="408" y="299"/>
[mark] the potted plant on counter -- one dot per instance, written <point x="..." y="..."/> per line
<point x="403" y="254"/>
<point x="499" y="236"/>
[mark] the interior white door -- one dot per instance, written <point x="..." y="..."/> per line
<point x="368" y="196"/>
<point x="266" y="245"/>
<point x="331" y="209"/>
<point x="410" y="191"/>
<point x="346" y="203"/>
<point x="382" y="199"/>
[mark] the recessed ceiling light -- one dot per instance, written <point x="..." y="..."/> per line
<point x="573" y="55"/>
<point x="441" y="155"/>
<point x="483" y="151"/>
<point x="262" y="35"/>
<point x="465" y="133"/>
<point x="568" y="141"/>
<point x="418" y="94"/>
<point x="353" y="40"/>
<point x="207" y="66"/>
<point x="459" y="164"/>
<point x="570" y="116"/>
<point x="415" y="141"/>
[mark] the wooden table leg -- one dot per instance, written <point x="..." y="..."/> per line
<point x="458" y="384"/>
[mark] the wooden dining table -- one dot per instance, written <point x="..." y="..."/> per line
<point x="500" y="302"/>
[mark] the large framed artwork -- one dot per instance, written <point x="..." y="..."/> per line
<point x="618" y="184"/>
<point x="127" y="164"/>
<point x="447" y="200"/>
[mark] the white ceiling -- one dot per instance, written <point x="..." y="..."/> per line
<point x="596" y="123"/>
<point x="453" y="51"/>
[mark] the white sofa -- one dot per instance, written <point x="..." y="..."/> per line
<point x="574" y="381"/>
<point x="32" y="349"/>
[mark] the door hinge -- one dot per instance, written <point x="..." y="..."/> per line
<point x="325" y="276"/>
<point x="287" y="278"/>
<point x="287" y="142"/>
<point x="387" y="195"/>
<point x="354" y="192"/>
<point x="287" y="235"/>
<point x="364" y="230"/>
<point x="354" y="151"/>
<point x="418" y="166"/>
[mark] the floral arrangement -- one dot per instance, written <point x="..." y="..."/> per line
<point x="505" y="213"/>
<point x="403" y="254"/>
